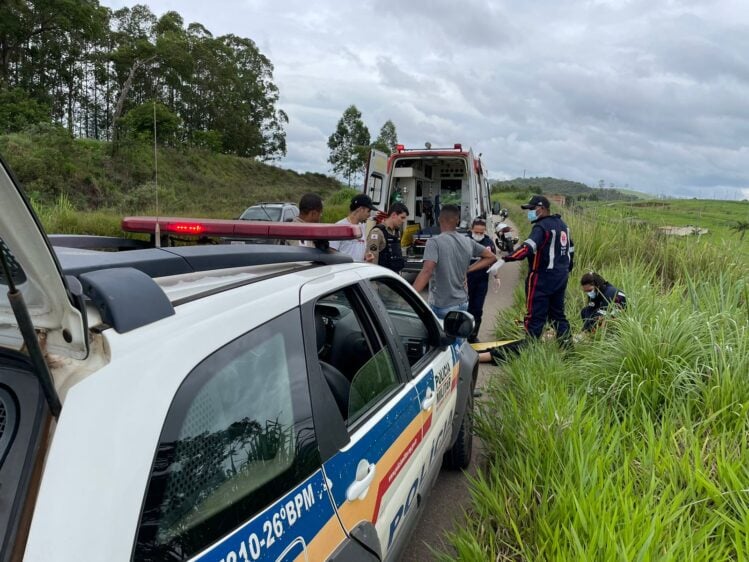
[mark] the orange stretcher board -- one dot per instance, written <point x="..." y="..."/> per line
<point x="484" y="345"/>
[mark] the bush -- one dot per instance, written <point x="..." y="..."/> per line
<point x="138" y="123"/>
<point x="18" y="111"/>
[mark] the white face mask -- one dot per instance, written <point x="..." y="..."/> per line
<point x="478" y="237"/>
<point x="592" y="294"/>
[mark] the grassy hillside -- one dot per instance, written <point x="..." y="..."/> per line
<point x="633" y="193"/>
<point x="52" y="165"/>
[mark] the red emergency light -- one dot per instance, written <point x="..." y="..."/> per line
<point x="242" y="229"/>
<point x="196" y="229"/>
<point x="400" y="147"/>
<point x="458" y="146"/>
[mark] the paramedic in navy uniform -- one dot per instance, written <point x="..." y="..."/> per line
<point x="549" y="251"/>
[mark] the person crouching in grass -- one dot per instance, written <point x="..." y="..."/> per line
<point x="604" y="300"/>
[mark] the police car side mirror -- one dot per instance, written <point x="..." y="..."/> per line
<point x="458" y="324"/>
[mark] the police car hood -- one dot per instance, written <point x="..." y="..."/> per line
<point x="37" y="275"/>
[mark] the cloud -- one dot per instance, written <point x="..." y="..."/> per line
<point x="648" y="93"/>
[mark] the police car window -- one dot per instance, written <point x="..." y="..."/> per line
<point x="238" y="434"/>
<point x="412" y="322"/>
<point x="356" y="365"/>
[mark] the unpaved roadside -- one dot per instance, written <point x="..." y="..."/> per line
<point x="447" y="502"/>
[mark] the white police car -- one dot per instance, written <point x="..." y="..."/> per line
<point x="218" y="403"/>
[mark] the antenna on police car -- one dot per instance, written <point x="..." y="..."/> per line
<point x="157" y="233"/>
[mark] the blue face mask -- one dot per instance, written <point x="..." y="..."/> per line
<point x="591" y="294"/>
<point x="532" y="215"/>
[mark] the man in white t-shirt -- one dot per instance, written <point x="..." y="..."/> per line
<point x="360" y="209"/>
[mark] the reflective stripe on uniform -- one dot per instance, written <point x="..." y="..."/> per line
<point x="532" y="244"/>
<point x="552" y="249"/>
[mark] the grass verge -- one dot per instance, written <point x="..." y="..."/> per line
<point x="635" y="446"/>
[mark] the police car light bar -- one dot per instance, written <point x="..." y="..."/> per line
<point x="241" y="229"/>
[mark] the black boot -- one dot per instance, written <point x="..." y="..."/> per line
<point x="474" y="337"/>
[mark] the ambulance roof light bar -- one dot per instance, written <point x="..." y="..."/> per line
<point x="428" y="146"/>
<point x="241" y="228"/>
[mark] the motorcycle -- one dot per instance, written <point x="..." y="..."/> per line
<point x="505" y="239"/>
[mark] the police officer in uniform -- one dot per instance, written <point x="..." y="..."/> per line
<point x="384" y="240"/>
<point x="549" y="251"/>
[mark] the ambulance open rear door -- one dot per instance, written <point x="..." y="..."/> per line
<point x="376" y="179"/>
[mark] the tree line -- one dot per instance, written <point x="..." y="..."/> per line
<point x="351" y="143"/>
<point x="108" y="75"/>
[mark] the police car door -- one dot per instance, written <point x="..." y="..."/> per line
<point x="434" y="371"/>
<point x="370" y="476"/>
<point x="237" y="473"/>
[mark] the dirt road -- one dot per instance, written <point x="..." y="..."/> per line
<point x="448" y="500"/>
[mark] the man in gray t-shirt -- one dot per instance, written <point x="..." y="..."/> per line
<point x="447" y="260"/>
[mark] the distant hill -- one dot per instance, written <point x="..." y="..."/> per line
<point x="637" y="194"/>
<point x="571" y="189"/>
<point x="51" y="164"/>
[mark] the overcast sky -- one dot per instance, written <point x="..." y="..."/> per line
<point x="653" y="94"/>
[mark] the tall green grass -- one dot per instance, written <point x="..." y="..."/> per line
<point x="635" y="446"/>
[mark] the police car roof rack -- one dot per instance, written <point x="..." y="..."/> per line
<point x="88" y="242"/>
<point x="164" y="262"/>
<point x="121" y="287"/>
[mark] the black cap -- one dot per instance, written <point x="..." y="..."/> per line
<point x="362" y="200"/>
<point x="536" y="201"/>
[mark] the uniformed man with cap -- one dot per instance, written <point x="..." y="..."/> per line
<point x="384" y="240"/>
<point x="549" y="251"/>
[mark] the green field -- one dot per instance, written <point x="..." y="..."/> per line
<point x="632" y="446"/>
<point x="718" y="217"/>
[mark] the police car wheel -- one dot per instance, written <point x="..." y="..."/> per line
<point x="458" y="457"/>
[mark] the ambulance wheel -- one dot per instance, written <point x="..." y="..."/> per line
<point x="458" y="457"/>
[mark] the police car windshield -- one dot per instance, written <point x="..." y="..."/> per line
<point x="262" y="213"/>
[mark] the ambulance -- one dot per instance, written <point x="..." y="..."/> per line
<point x="425" y="180"/>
